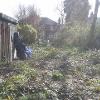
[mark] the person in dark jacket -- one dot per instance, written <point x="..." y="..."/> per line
<point x="19" y="46"/>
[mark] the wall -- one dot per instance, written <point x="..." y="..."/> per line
<point x="6" y="33"/>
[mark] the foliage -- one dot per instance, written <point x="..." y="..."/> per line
<point x="77" y="34"/>
<point x="44" y="52"/>
<point x="74" y="35"/>
<point x="76" y="11"/>
<point x="93" y="25"/>
<point x="35" y="96"/>
<point x="28" y="15"/>
<point x="94" y="58"/>
<point x="28" y="33"/>
<point x="15" y="86"/>
<point x="52" y="52"/>
<point x="97" y="89"/>
<point x="42" y="78"/>
<point x="56" y="76"/>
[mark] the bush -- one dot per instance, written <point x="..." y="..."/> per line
<point x="57" y="76"/>
<point x="97" y="89"/>
<point x="73" y="35"/>
<point x="28" y="33"/>
<point x="94" y="57"/>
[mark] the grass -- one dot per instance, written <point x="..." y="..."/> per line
<point x="20" y="84"/>
<point x="14" y="85"/>
<point x="97" y="89"/>
<point x="44" y="52"/>
<point x="57" y="76"/>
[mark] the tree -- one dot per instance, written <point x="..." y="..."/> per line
<point x="28" y="15"/>
<point x="76" y="10"/>
<point x="21" y="14"/>
<point x="93" y="25"/>
<point x="28" y="33"/>
<point x="60" y="9"/>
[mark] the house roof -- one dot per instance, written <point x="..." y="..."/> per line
<point x="47" y="21"/>
<point x="7" y="19"/>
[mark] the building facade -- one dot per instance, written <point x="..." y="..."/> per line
<point x="48" y="28"/>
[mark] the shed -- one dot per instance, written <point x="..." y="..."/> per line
<point x="7" y="28"/>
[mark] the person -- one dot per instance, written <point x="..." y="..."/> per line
<point x="23" y="52"/>
<point x="28" y="52"/>
<point x="19" y="46"/>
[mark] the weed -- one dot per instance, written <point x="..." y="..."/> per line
<point x="57" y="76"/>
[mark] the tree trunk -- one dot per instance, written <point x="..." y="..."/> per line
<point x="92" y="29"/>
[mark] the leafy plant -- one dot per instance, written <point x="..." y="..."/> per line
<point x="29" y="34"/>
<point x="56" y="76"/>
<point x="97" y="89"/>
<point x="15" y="86"/>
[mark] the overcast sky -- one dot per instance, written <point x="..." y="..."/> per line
<point x="47" y="7"/>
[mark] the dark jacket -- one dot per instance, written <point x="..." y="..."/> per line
<point x="19" y="46"/>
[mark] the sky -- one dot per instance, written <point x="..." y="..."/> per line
<point x="47" y="8"/>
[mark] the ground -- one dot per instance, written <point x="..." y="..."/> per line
<point x="52" y="74"/>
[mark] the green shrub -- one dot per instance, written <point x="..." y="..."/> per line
<point x="57" y="76"/>
<point x="94" y="57"/>
<point x="74" y="35"/>
<point x="97" y="89"/>
<point x="52" y="52"/>
<point x="28" y="33"/>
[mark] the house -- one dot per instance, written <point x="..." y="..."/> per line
<point x="48" y="28"/>
<point x="7" y="28"/>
